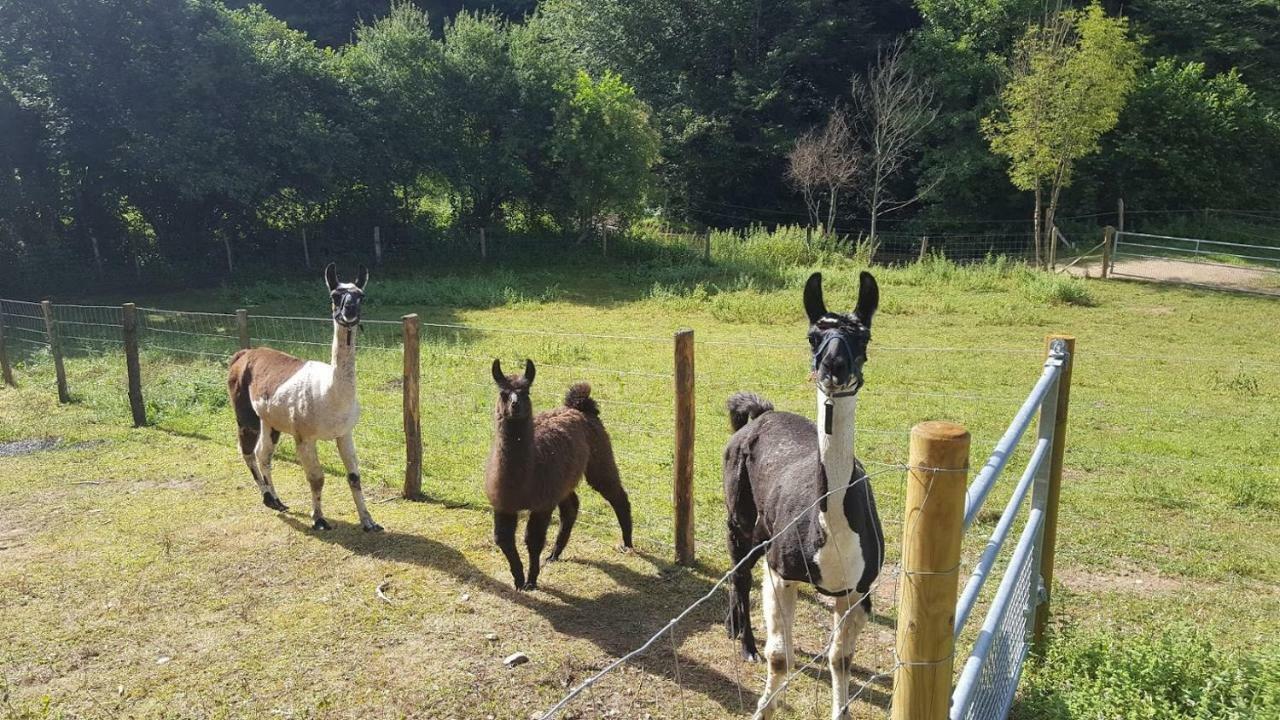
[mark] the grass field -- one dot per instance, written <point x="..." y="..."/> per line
<point x="141" y="577"/>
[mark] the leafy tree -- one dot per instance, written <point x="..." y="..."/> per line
<point x="1189" y="140"/>
<point x="1069" y="80"/>
<point x="604" y="147"/>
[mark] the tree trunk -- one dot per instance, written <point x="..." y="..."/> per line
<point x="831" y="212"/>
<point x="1051" y="216"/>
<point x="1036" y="225"/>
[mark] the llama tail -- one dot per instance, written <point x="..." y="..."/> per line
<point x="744" y="407"/>
<point x="579" y="398"/>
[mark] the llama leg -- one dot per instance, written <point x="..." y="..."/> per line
<point x="848" y="618"/>
<point x="310" y="462"/>
<point x="263" y="453"/>
<point x="779" y="599"/>
<point x="739" y="621"/>
<point x="535" y="538"/>
<point x="347" y="449"/>
<point x="602" y="476"/>
<point x="504" y="535"/>
<point x="248" y="438"/>
<point x="568" y="516"/>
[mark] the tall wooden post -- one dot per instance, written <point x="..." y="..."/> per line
<point x="377" y="245"/>
<point x="242" y="328"/>
<point x="1049" y="539"/>
<point x="55" y="347"/>
<point x="933" y="524"/>
<point x="1108" y="249"/>
<point x="683" y="487"/>
<point x="412" y="415"/>
<point x="133" y="367"/>
<point x="6" y="370"/>
<point x="1120" y="214"/>
<point x="924" y="248"/>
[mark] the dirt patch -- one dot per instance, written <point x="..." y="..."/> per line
<point x="27" y="447"/>
<point x="1121" y="580"/>
<point x="1220" y="277"/>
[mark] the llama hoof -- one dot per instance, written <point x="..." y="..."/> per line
<point x="530" y="586"/>
<point x="625" y="549"/>
<point x="552" y="558"/>
<point x="750" y="656"/>
<point x="321" y="524"/>
<point x="372" y="527"/>
<point x="273" y="502"/>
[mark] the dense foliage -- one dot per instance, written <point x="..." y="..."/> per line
<point x="186" y="139"/>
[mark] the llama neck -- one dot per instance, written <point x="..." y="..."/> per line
<point x="343" y="356"/>
<point x="513" y="450"/>
<point x="835" y="450"/>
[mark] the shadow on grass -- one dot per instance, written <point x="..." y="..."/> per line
<point x="616" y="622"/>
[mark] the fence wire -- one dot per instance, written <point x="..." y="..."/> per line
<point x="585" y="691"/>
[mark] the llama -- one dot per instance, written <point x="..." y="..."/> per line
<point x="535" y="464"/>
<point x="774" y="472"/>
<point x="273" y="392"/>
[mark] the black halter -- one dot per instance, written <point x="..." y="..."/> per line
<point x="834" y="335"/>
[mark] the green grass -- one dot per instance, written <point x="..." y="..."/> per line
<point x="122" y="547"/>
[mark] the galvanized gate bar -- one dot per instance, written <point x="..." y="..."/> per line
<point x="986" y="477"/>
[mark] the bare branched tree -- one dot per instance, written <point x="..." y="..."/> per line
<point x="823" y="164"/>
<point x="891" y="110"/>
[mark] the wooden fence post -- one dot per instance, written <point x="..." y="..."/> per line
<point x="933" y="524"/>
<point x="55" y="347"/>
<point x="6" y="370"/>
<point x="1108" y="249"/>
<point x="1049" y="538"/>
<point x="683" y="488"/>
<point x="130" y="323"/>
<point x="242" y="328"/>
<point x="1120" y="214"/>
<point x="412" y="415"/>
<point x="924" y="248"/>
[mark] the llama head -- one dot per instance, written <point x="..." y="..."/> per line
<point x="346" y="297"/>
<point x="513" y="392"/>
<point x="839" y="341"/>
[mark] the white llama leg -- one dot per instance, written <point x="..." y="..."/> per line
<point x="779" y="601"/>
<point x="310" y="462"/>
<point x="347" y="449"/>
<point x="847" y="620"/>
<point x="263" y="453"/>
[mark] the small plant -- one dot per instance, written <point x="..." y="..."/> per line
<point x="1057" y="290"/>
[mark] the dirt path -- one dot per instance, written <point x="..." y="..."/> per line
<point x="1220" y="277"/>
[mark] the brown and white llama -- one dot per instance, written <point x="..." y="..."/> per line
<point x="535" y="464"/>
<point x="797" y="495"/>
<point x="273" y="392"/>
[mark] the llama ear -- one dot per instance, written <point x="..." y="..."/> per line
<point x="498" y="376"/>
<point x="813" y="304"/>
<point x="331" y="276"/>
<point x="363" y="277"/>
<point x="529" y="371"/>
<point x="868" y="298"/>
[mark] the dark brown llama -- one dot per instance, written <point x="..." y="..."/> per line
<point x="535" y="464"/>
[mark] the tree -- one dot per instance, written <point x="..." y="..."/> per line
<point x="1069" y="78"/>
<point x="604" y="148"/>
<point x="1189" y="140"/>
<point x="892" y="108"/>
<point x="824" y="163"/>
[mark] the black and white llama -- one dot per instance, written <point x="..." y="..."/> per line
<point x="780" y="467"/>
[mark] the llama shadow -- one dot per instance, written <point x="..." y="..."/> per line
<point x="616" y="622"/>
